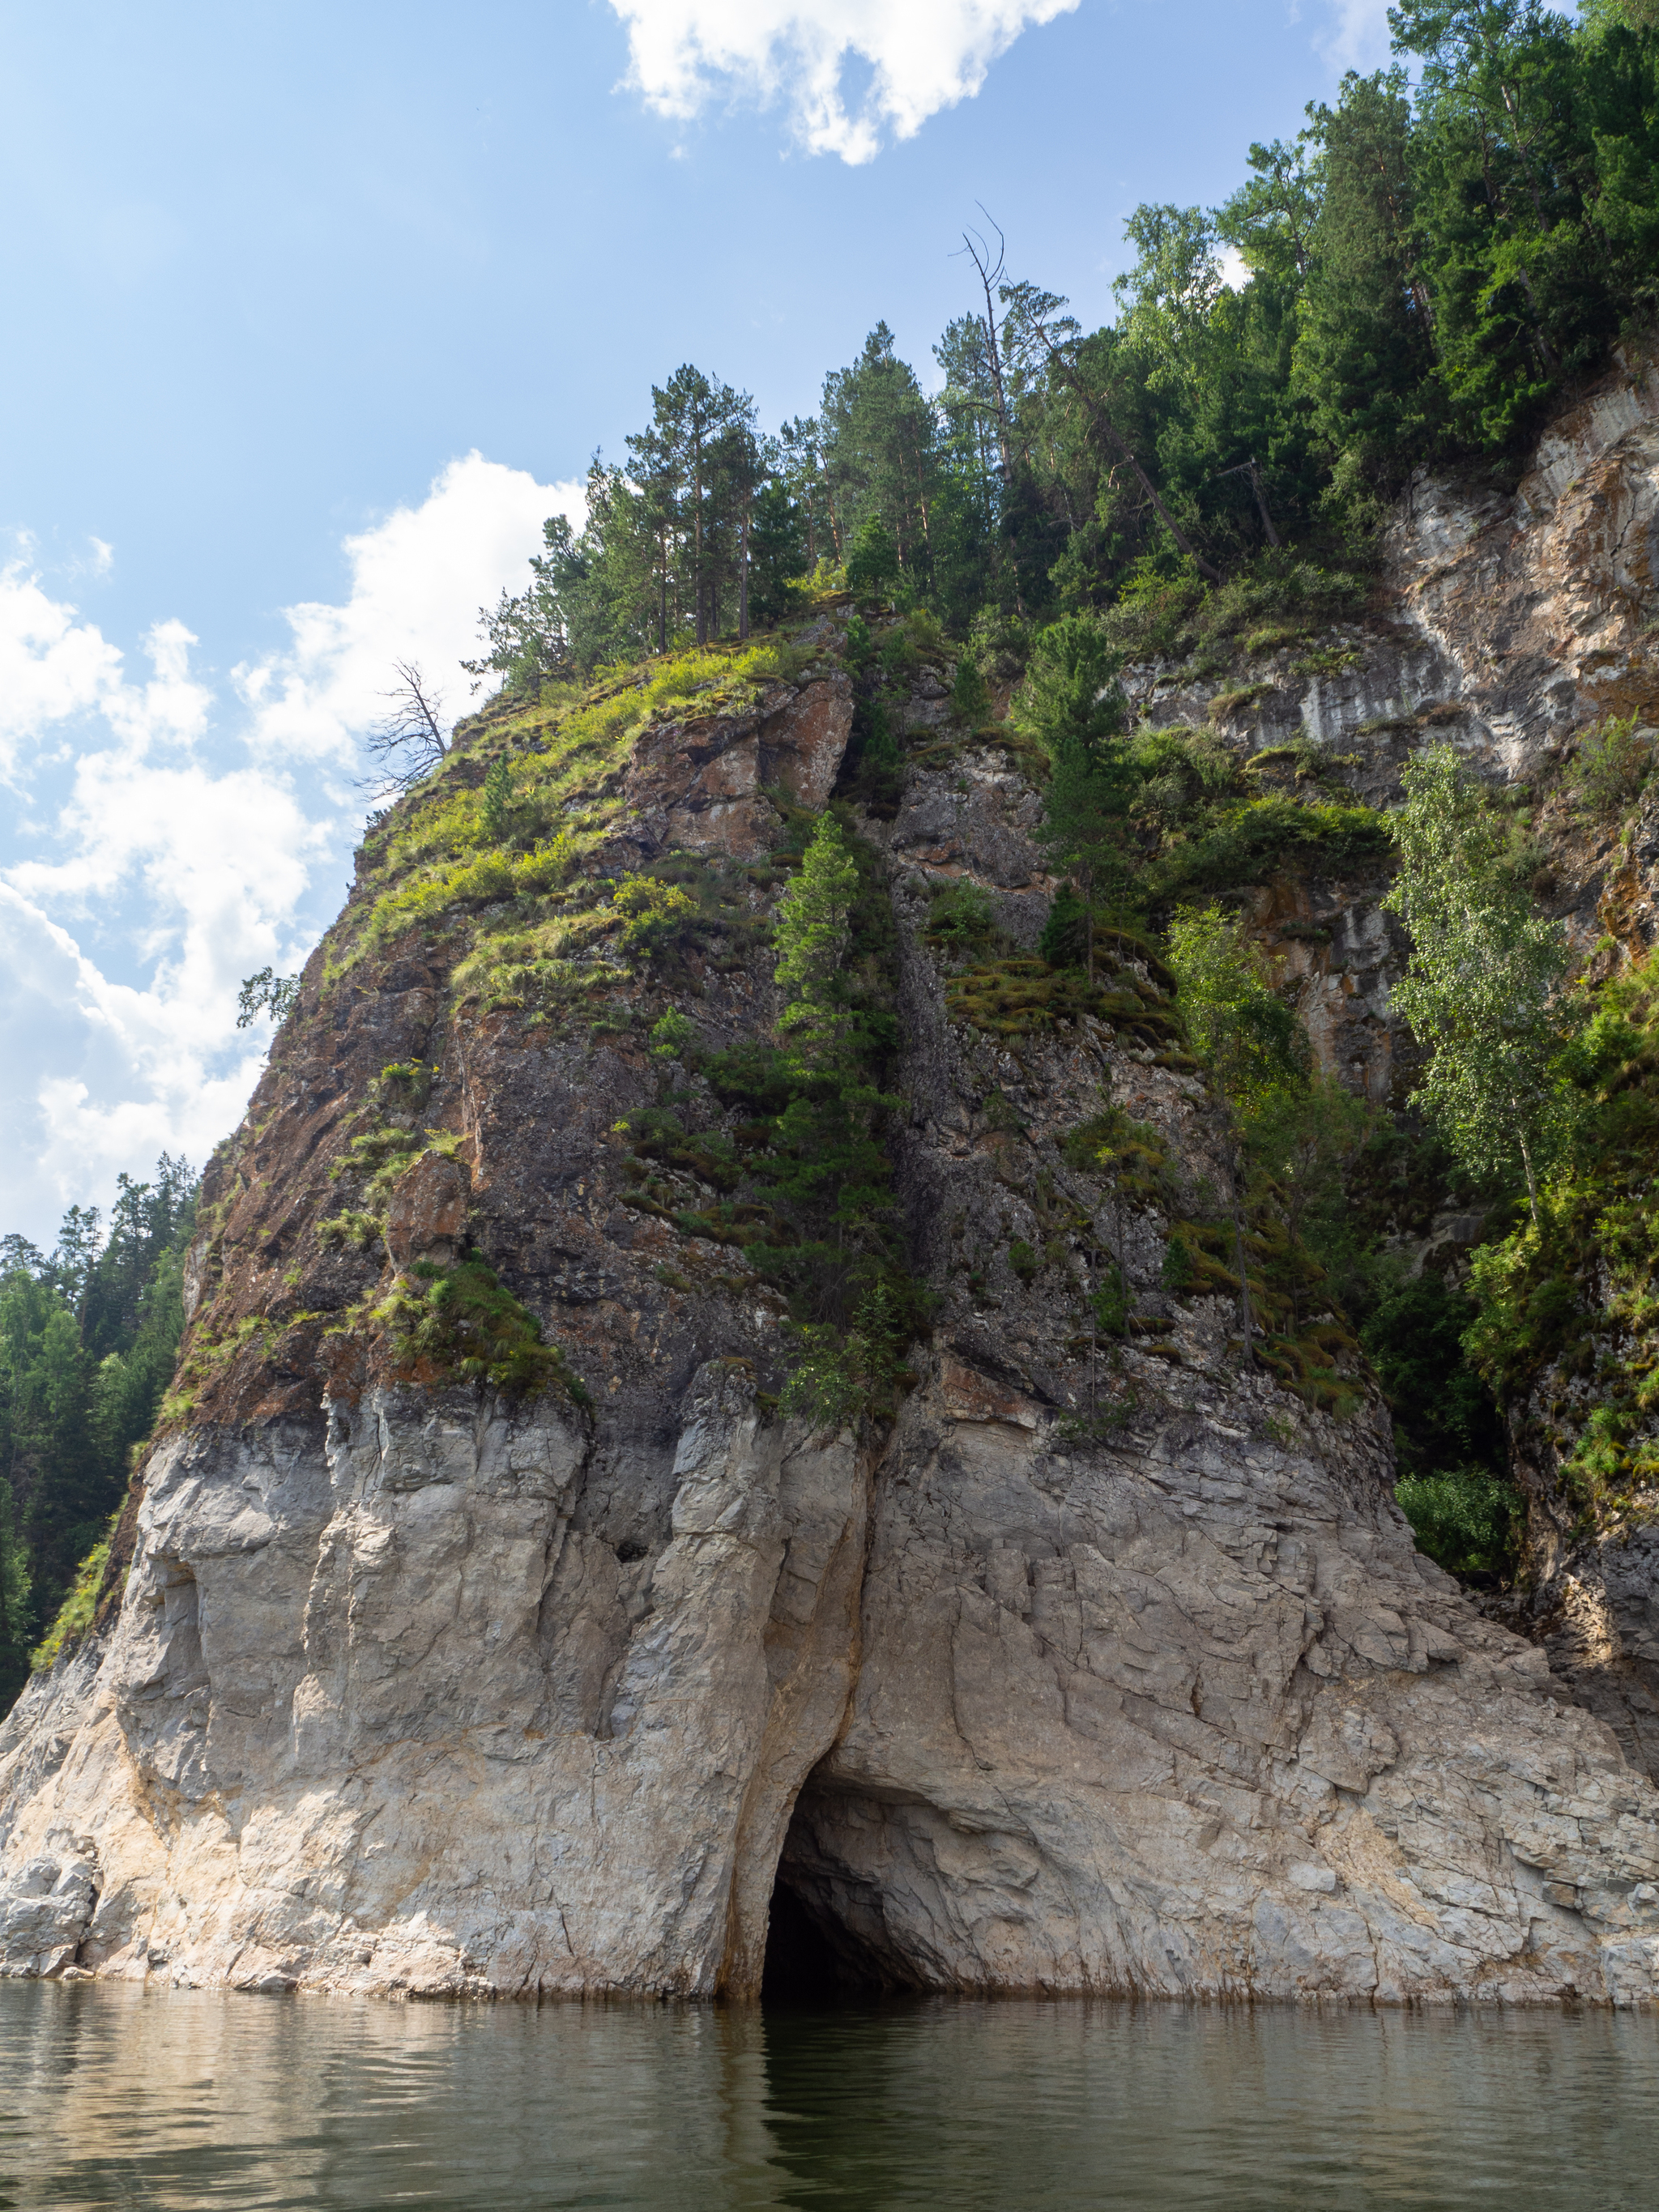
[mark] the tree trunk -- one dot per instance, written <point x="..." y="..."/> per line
<point x="1532" y="1180"/>
<point x="699" y="614"/>
<point x="1274" y="538"/>
<point x="743" y="577"/>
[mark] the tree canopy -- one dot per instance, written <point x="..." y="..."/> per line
<point x="1426" y="267"/>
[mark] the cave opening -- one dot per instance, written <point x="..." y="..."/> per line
<point x="823" y="1935"/>
<point x="804" y="1967"/>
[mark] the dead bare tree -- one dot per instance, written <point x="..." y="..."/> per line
<point x="411" y="738"/>
<point x="1252" y="468"/>
<point x="990" y="275"/>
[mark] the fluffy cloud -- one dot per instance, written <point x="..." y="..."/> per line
<point x="180" y="839"/>
<point x="1357" y="35"/>
<point x="922" y="55"/>
<point x="52" y="666"/>
<point x="417" y="581"/>
<point x="96" y="1076"/>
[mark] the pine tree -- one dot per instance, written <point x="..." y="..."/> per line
<point x="1071" y="703"/>
<point x="1364" y="356"/>
<point x="813" y="930"/>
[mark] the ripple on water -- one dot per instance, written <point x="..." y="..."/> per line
<point x="180" y="2100"/>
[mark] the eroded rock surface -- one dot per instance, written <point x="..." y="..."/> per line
<point x="378" y="1716"/>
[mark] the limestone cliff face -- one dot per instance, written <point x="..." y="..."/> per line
<point x="421" y="1685"/>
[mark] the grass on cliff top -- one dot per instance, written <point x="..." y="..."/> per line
<point x="520" y="833"/>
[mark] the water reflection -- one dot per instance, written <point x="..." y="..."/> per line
<point x="117" y="2097"/>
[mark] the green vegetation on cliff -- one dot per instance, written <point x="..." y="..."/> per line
<point x="1568" y="1328"/>
<point x="87" y="1339"/>
<point x="801" y="1180"/>
<point x="1428" y="269"/>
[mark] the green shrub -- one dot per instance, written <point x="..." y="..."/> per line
<point x="1019" y="996"/>
<point x="653" y="913"/>
<point x="1133" y="1154"/>
<point x="674" y="1037"/>
<point x="1064" y="941"/>
<point x="1180" y="1267"/>
<point x="1610" y="770"/>
<point x="463" y="1323"/>
<point x="1024" y="1261"/>
<point x="1253" y="842"/>
<point x="497" y="799"/>
<point x="837" y="1375"/>
<point x="1443" y="1412"/>
<point x="872" y="559"/>
<point x="351" y="1226"/>
<point x="1466" y="1519"/>
<point x="970" y="696"/>
<point x="1110" y="1303"/>
<point x="961" y="917"/>
<point x="74" y="1617"/>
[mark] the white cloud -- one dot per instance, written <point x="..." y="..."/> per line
<point x="1234" y="270"/>
<point x="922" y="55"/>
<point x="417" y="581"/>
<point x="192" y="838"/>
<point x="52" y="666"/>
<point x="1357" y="38"/>
<point x="113" y="1083"/>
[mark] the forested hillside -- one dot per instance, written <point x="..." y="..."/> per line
<point x="87" y="1339"/>
<point x="1428" y="272"/>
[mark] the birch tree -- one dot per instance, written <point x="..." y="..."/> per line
<point x="1484" y="989"/>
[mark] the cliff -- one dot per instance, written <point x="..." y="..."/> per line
<point x="489" y="1629"/>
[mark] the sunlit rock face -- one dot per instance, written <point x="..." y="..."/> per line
<point x="417" y="1686"/>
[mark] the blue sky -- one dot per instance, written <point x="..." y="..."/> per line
<point x="315" y="312"/>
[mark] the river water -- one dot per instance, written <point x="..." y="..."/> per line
<point x="112" y="2096"/>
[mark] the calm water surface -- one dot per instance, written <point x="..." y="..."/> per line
<point x="117" y="2097"/>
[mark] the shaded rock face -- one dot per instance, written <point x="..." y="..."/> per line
<point x="415" y="1689"/>
<point x="1192" y="1716"/>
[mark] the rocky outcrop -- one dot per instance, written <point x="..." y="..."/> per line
<point x="1182" y="1715"/>
<point x="1090" y="1673"/>
<point x="699" y="785"/>
<point x="380" y="1714"/>
<point x="1190" y="1717"/>
<point x="1513" y="617"/>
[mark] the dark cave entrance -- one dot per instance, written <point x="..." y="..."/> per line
<point x="803" y="1966"/>
<point x="824" y="1932"/>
